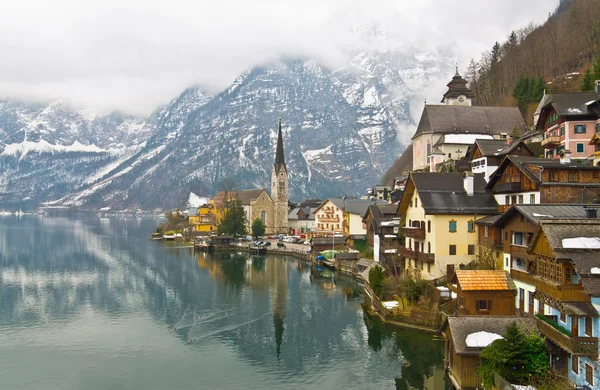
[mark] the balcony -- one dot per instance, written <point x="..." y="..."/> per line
<point x="508" y="187"/>
<point x="551" y="142"/>
<point x="420" y="256"/>
<point x="580" y="346"/>
<point x="329" y="219"/>
<point x="414" y="232"/>
<point x="562" y="292"/>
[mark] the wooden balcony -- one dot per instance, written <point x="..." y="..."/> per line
<point x="564" y="292"/>
<point x="414" y="232"/>
<point x="329" y="219"/>
<point x="551" y="142"/>
<point x="420" y="256"/>
<point x="580" y="346"/>
<point x="508" y="187"/>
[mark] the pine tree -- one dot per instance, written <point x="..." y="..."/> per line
<point x="587" y="84"/>
<point x="596" y="69"/>
<point x="234" y="219"/>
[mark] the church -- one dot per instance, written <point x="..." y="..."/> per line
<point x="271" y="209"/>
<point x="445" y="131"/>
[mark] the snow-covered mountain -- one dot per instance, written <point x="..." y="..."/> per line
<point x="341" y="132"/>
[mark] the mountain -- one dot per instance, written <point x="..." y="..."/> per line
<point x="341" y="130"/>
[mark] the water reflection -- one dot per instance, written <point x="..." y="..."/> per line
<point x="101" y="288"/>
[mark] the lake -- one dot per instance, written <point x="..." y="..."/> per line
<point x="92" y="303"/>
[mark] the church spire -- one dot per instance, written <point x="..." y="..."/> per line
<point x="279" y="159"/>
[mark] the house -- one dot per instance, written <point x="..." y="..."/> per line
<point x="354" y="209"/>
<point x="566" y="275"/>
<point x="206" y="219"/>
<point x="381" y="224"/>
<point x="320" y="244"/>
<point x="379" y="192"/>
<point x="531" y="180"/>
<point x="301" y="220"/>
<point x="487" y="154"/>
<point x="329" y="217"/>
<point x="439" y="212"/>
<point x="446" y="131"/>
<point x="595" y="141"/>
<point x="362" y="268"/>
<point x="484" y="292"/>
<point x="464" y="342"/>
<point x="568" y="121"/>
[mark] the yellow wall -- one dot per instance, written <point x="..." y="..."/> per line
<point x="203" y="221"/>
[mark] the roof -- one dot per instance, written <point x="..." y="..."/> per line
<point x="338" y="202"/>
<point x="535" y="212"/>
<point x="249" y="196"/>
<point x="279" y="158"/>
<point x="360" y="206"/>
<point x="461" y="327"/>
<point x="498" y="147"/>
<point x="381" y="214"/>
<point x="447" y="119"/>
<point x="346" y="256"/>
<point x="328" y="241"/>
<point x="570" y="104"/>
<point x="444" y="193"/>
<point x="310" y="202"/>
<point x="457" y="86"/>
<point x="484" y="280"/>
<point x="396" y="195"/>
<point x="293" y="215"/>
<point x="490" y="219"/>
<point x="462" y="139"/>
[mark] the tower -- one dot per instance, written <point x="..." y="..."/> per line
<point x="458" y="93"/>
<point x="279" y="188"/>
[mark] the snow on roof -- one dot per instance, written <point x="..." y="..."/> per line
<point x="581" y="243"/>
<point x="196" y="201"/>
<point x="390" y="223"/>
<point x="390" y="236"/>
<point x="389" y="251"/>
<point x="465" y="139"/>
<point x="541" y="215"/>
<point x="595" y="270"/>
<point x="574" y="111"/>
<point x="481" y="339"/>
<point x="390" y="304"/>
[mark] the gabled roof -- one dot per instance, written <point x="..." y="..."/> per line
<point x="446" y="119"/>
<point x="536" y="212"/>
<point x="381" y="213"/>
<point x="249" y="196"/>
<point x="572" y="104"/>
<point x="293" y="215"/>
<point x="498" y="147"/>
<point x="462" y="326"/>
<point x="444" y="193"/>
<point x="484" y="280"/>
<point x="360" y="206"/>
<point x="338" y="202"/>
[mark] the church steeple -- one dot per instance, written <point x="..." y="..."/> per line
<point x="458" y="93"/>
<point x="279" y="159"/>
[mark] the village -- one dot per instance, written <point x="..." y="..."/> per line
<point x="494" y="225"/>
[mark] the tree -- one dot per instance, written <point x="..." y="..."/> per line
<point x="376" y="280"/>
<point x="486" y="258"/>
<point x="258" y="228"/>
<point x="234" y="219"/>
<point x="587" y="84"/>
<point x="520" y="357"/>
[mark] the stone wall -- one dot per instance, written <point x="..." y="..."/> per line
<point x="263" y="203"/>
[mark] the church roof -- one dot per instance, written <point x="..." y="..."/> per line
<point x="457" y="86"/>
<point x="249" y="196"/>
<point x="448" y="119"/>
<point x="279" y="158"/>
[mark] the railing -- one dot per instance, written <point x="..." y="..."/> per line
<point x="414" y="232"/>
<point x="329" y="219"/>
<point x="424" y="257"/>
<point x="551" y="141"/>
<point x="508" y="187"/>
<point x="564" y="292"/>
<point x="582" y="346"/>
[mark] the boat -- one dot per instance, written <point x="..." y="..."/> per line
<point x="156" y="236"/>
<point x="168" y="237"/>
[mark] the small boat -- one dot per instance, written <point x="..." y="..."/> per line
<point x="169" y="237"/>
<point x="156" y="236"/>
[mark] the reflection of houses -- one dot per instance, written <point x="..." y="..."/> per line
<point x="463" y="346"/>
<point x="301" y="220"/>
<point x="439" y="211"/>
<point x="487" y="154"/>
<point x="533" y="180"/>
<point x="566" y="276"/>
<point x="381" y="224"/>
<point x="484" y="292"/>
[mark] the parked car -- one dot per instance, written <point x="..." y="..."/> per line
<point x="280" y="245"/>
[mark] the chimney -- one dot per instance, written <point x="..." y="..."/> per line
<point x="468" y="182"/>
<point x="597" y="89"/>
<point x="590" y="212"/>
<point x="565" y="156"/>
<point x="509" y="140"/>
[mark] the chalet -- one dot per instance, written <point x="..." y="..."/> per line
<point x="329" y="217"/>
<point x="439" y="212"/>
<point x="206" y="219"/>
<point x="531" y="180"/>
<point x="568" y="122"/>
<point x="354" y="209"/>
<point x="465" y="338"/>
<point x="301" y="220"/>
<point x="381" y="224"/>
<point x="446" y="131"/>
<point x="487" y="154"/>
<point x="484" y="292"/>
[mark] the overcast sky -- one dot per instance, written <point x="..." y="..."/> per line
<point x="136" y="55"/>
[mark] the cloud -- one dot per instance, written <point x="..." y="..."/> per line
<point x="135" y="55"/>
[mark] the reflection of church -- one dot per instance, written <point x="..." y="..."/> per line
<point x="273" y="209"/>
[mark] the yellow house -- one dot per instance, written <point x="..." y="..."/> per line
<point x="438" y="212"/>
<point x="207" y="219"/>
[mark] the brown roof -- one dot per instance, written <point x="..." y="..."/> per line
<point x="484" y="280"/>
<point x="249" y="196"/>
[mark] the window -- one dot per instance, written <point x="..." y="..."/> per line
<point x="532" y="198"/>
<point x="589" y="374"/>
<point x="428" y="247"/>
<point x="452" y="226"/>
<point x="506" y="200"/>
<point x="530" y="295"/>
<point x="598" y="127"/>
<point x="521" y="295"/>
<point x="486" y="231"/>
<point x="563" y="317"/>
<point x="562" y="131"/>
<point x="575" y="364"/>
<point x="572" y="177"/>
<point x="483" y="305"/>
<point x="513" y="199"/>
<point x="520" y="199"/>
<point x="522" y="218"/>
<point x="428" y="226"/>
<point x="553" y="175"/>
<point x="428" y="267"/>
<point x="589" y="331"/>
<point x="579" y="129"/>
<point x="580" y="148"/>
<point x="452" y="250"/>
<point x="517" y="238"/>
<point x="263" y="217"/>
<point x="471" y="226"/>
<point x="471" y="250"/>
<point x="416" y="202"/>
<point x="506" y="262"/>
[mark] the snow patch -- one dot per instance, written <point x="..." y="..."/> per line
<point x="464" y="139"/>
<point x="574" y="111"/>
<point x="542" y="215"/>
<point x="41" y="146"/>
<point x="581" y="243"/>
<point x="481" y="339"/>
<point x="595" y="270"/>
<point x="196" y="201"/>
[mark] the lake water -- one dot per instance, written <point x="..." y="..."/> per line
<point x="92" y="303"/>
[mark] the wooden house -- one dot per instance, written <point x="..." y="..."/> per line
<point x="487" y="154"/>
<point x="484" y="292"/>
